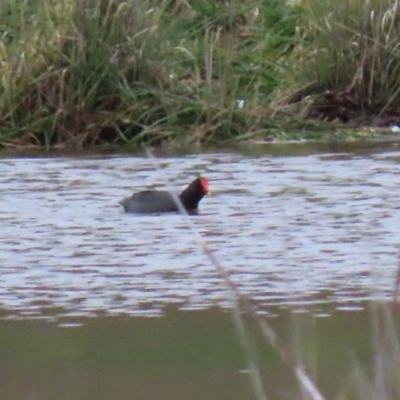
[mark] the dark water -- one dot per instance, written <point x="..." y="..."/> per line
<point x="315" y="232"/>
<point x="181" y="355"/>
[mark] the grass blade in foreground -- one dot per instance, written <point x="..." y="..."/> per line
<point x="238" y="299"/>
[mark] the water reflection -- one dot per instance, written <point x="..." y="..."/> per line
<point x="314" y="229"/>
<point x="182" y="355"/>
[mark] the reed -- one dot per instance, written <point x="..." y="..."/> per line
<point x="348" y="59"/>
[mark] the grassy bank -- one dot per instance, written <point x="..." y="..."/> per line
<point x="83" y="72"/>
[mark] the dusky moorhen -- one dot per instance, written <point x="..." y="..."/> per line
<point x="157" y="201"/>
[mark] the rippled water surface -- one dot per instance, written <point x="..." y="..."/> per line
<point x="322" y="228"/>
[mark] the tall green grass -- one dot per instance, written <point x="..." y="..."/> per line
<point x="348" y="57"/>
<point x="82" y="72"/>
<point x="79" y="72"/>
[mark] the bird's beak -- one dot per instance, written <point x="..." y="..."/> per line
<point x="209" y="193"/>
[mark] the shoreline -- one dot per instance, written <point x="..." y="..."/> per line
<point x="359" y="144"/>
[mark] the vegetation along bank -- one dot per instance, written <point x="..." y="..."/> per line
<point x="79" y="73"/>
